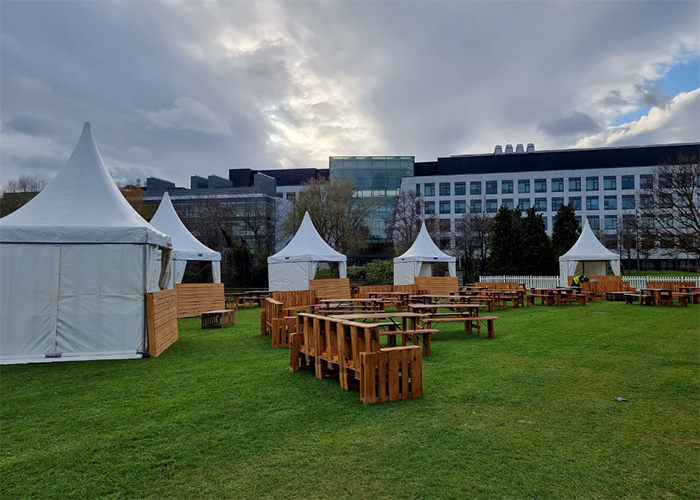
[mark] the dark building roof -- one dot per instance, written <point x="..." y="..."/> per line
<point x="567" y="159"/>
<point x="295" y="176"/>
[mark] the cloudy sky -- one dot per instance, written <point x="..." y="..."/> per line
<point x="175" y="89"/>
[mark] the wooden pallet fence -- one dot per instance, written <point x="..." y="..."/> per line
<point x="391" y="375"/>
<point x="332" y="288"/>
<point x="295" y="298"/>
<point x="437" y="285"/>
<point x="161" y="311"/>
<point x="195" y="298"/>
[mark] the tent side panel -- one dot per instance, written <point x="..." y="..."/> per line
<point x="101" y="305"/>
<point x="403" y="272"/>
<point x="288" y="276"/>
<point x="28" y="302"/>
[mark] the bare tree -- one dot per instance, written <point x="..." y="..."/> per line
<point x="407" y="220"/>
<point x="17" y="193"/>
<point x="339" y="217"/>
<point x="255" y="218"/>
<point x="671" y="203"/>
<point x="472" y="243"/>
<point x="134" y="195"/>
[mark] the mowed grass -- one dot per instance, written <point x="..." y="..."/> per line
<point x="530" y="414"/>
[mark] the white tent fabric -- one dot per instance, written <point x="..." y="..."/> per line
<point x="76" y="264"/>
<point x="296" y="264"/>
<point x="185" y="245"/>
<point x="587" y="256"/>
<point x="418" y="260"/>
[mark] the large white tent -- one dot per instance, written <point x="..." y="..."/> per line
<point x="296" y="264"/>
<point x="185" y="245"/>
<point x="76" y="263"/>
<point x="419" y="259"/>
<point x="587" y="256"/>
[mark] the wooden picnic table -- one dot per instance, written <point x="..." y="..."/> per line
<point x="656" y="296"/>
<point x="408" y="328"/>
<point x="356" y="305"/>
<point x="458" y="312"/>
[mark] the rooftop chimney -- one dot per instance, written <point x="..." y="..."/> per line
<point x="519" y="148"/>
<point x="530" y="147"/>
<point x="498" y="150"/>
<point x="509" y="149"/>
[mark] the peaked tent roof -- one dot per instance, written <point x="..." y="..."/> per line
<point x="587" y="247"/>
<point x="185" y="245"/>
<point x="82" y="204"/>
<point x="307" y="245"/>
<point x="424" y="249"/>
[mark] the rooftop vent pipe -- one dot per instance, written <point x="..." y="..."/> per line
<point x="530" y="147"/>
<point x="509" y="149"/>
<point x="519" y="148"/>
<point x="498" y="150"/>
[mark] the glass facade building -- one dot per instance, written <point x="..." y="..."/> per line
<point x="376" y="178"/>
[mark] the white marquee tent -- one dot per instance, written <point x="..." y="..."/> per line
<point x="419" y="259"/>
<point x="76" y="264"/>
<point x="296" y="264"/>
<point x="588" y="256"/>
<point x="185" y="245"/>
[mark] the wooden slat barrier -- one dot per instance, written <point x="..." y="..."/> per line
<point x="274" y="323"/>
<point x="161" y="310"/>
<point x="363" y="291"/>
<point x="670" y="285"/>
<point x="351" y="351"/>
<point x="195" y="298"/>
<point x="333" y="288"/>
<point x="295" y="298"/>
<point x="437" y="285"/>
<point x="600" y="285"/>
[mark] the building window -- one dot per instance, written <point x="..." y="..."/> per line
<point x="646" y="182"/>
<point x="444" y="189"/>
<point x="506" y="187"/>
<point x="541" y="204"/>
<point x="609" y="182"/>
<point x="665" y="181"/>
<point x="557" y="203"/>
<point x="665" y="200"/>
<point x="429" y="207"/>
<point x="591" y="183"/>
<point x="445" y="207"/>
<point x="491" y="206"/>
<point x="524" y="186"/>
<point x="610" y="202"/>
<point x="491" y="187"/>
<point x="540" y="185"/>
<point x="524" y="204"/>
<point x="475" y="206"/>
<point x="557" y="185"/>
<point x="418" y="189"/>
<point x="628" y="202"/>
<point x="611" y="222"/>
<point x="594" y="221"/>
<point x="460" y="188"/>
<point x="291" y="196"/>
<point x="578" y="220"/>
<point x="592" y="203"/>
<point x="508" y="203"/>
<point x="574" y="184"/>
<point x="575" y="202"/>
<point x="646" y="201"/>
<point x="460" y="206"/>
<point x="430" y="189"/>
<point x="475" y="188"/>
<point x="627" y="181"/>
<point x="544" y="220"/>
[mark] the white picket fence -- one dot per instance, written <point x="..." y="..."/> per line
<point x="553" y="281"/>
<point x="528" y="281"/>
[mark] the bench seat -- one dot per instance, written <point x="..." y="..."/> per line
<point x="469" y="323"/>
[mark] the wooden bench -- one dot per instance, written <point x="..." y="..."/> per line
<point x="581" y="297"/>
<point x="546" y="299"/>
<point x="631" y="298"/>
<point x="470" y="322"/>
<point x="219" y="319"/>
<point x="422" y="335"/>
<point x="351" y="351"/>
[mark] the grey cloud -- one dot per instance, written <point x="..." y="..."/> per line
<point x="576" y="124"/>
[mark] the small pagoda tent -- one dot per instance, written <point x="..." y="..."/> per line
<point x="419" y="259"/>
<point x="296" y="264"/>
<point x="588" y="256"/>
<point x="76" y="263"/>
<point x="185" y="245"/>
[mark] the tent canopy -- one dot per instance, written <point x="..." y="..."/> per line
<point x="77" y="262"/>
<point x="82" y="204"/>
<point x="418" y="260"/>
<point x="589" y="255"/>
<point x="185" y="245"/>
<point x="292" y="267"/>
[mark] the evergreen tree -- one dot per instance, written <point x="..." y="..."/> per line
<point x="565" y="231"/>
<point x="505" y="242"/>
<point x="537" y="251"/>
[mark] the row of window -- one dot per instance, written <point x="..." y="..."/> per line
<point x="540" y="185"/>
<point x="628" y="202"/>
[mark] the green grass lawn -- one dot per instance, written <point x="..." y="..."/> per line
<point x="530" y="414"/>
